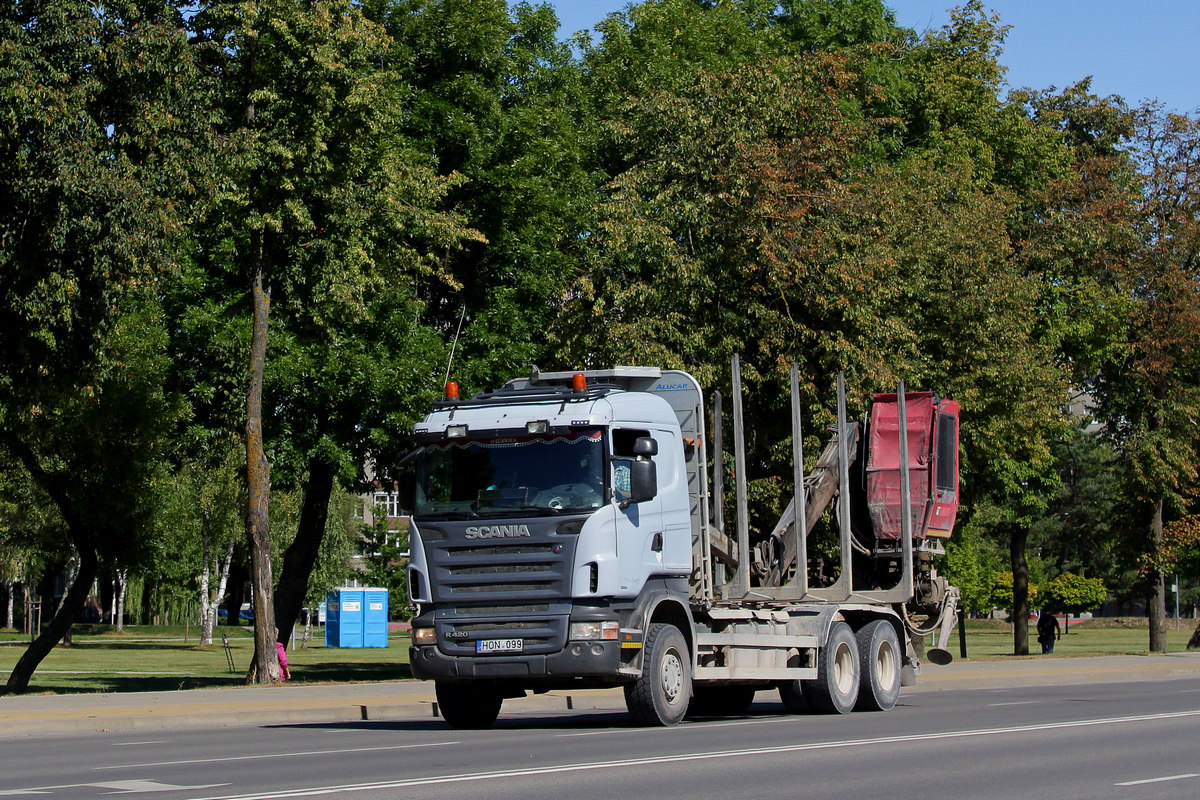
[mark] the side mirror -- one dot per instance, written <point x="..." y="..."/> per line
<point x="645" y="446"/>
<point x="643" y="482"/>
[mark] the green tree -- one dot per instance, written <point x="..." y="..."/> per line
<point x="764" y="204"/>
<point x="496" y="101"/>
<point x="94" y="122"/>
<point x="1004" y="596"/>
<point x="1082" y="526"/>
<point x="1073" y="593"/>
<point x="499" y="100"/>
<point x="971" y="564"/>
<point x="1149" y="392"/>
<point x="323" y="205"/>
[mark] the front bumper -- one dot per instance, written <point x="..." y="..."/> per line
<point x="595" y="659"/>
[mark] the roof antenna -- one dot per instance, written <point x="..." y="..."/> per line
<point x="454" y="344"/>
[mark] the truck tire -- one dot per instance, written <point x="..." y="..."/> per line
<point x="468" y="706"/>
<point x="879" y="666"/>
<point x="836" y="687"/>
<point x="661" y="694"/>
<point x="720" y="701"/>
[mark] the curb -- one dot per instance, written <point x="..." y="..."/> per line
<point x="131" y="716"/>
<point x="25" y="716"/>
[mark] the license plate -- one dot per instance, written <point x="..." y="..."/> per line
<point x="499" y="645"/>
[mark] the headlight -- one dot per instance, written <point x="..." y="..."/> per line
<point x="424" y="636"/>
<point x="591" y="631"/>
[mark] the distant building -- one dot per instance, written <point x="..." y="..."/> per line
<point x="1081" y="403"/>
<point x="382" y="503"/>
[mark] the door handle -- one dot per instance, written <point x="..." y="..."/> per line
<point x="657" y="544"/>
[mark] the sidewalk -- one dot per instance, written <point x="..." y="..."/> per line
<point x="35" y="715"/>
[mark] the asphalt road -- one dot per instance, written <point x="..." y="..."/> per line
<point x="1101" y="740"/>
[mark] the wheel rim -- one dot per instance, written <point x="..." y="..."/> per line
<point x="671" y="676"/>
<point x="885" y="667"/>
<point x="843" y="669"/>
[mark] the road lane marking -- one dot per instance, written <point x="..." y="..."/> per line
<point x="139" y="787"/>
<point x="1016" y="703"/>
<point x="686" y="757"/>
<point x="1159" y="780"/>
<point x="274" y="755"/>
<point x="118" y="787"/>
<point x="127" y="744"/>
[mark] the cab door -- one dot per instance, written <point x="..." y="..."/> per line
<point x="945" y="477"/>
<point x="640" y="533"/>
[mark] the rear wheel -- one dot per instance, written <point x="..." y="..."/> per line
<point x="660" y="696"/>
<point x="879" y="666"/>
<point x="836" y="687"/>
<point x="466" y="705"/>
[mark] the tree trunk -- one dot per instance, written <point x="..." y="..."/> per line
<point x="119" y="604"/>
<point x="28" y="630"/>
<point x="1156" y="603"/>
<point x="18" y="680"/>
<point x="211" y="601"/>
<point x="207" y="603"/>
<point x="1193" y="643"/>
<point x="300" y="557"/>
<point x="1020" y="571"/>
<point x="265" y="666"/>
<point x="11" y="588"/>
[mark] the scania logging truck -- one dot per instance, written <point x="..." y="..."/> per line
<point x="566" y="535"/>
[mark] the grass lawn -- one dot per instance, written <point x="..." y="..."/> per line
<point x="144" y="658"/>
<point x="993" y="639"/>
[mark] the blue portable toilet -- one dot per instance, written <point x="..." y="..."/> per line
<point x="375" y="618"/>
<point x="356" y="617"/>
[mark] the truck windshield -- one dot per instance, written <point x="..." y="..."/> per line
<point x="545" y="474"/>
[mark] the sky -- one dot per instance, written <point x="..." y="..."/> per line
<point x="1138" y="50"/>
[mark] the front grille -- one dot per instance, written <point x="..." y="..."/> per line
<point x="535" y="570"/>
<point x="502" y="589"/>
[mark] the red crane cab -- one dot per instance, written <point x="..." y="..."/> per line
<point x="932" y="433"/>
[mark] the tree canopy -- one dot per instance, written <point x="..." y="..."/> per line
<point x="280" y="225"/>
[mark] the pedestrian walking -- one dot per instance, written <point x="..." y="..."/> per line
<point x="1048" y="631"/>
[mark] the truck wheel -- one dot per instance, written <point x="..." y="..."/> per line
<point x="465" y="705"/>
<point x="836" y="687"/>
<point x="660" y="696"/>
<point x="721" y="701"/>
<point x="879" y="666"/>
